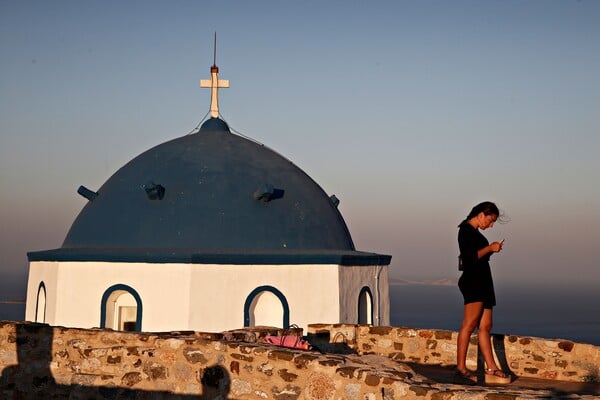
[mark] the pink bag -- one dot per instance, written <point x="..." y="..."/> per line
<point x="291" y="341"/>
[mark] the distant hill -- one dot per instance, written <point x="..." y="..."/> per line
<point x="429" y="282"/>
<point x="12" y="301"/>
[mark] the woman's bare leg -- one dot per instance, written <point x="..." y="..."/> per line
<point x="485" y="339"/>
<point x="471" y="319"/>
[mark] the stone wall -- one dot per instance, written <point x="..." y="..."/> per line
<point x="38" y="361"/>
<point x="523" y="356"/>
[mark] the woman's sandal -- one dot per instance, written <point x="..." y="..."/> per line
<point x="496" y="376"/>
<point x="465" y="377"/>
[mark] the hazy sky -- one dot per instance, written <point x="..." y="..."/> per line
<point x="410" y="112"/>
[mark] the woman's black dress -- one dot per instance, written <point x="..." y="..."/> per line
<point x="475" y="283"/>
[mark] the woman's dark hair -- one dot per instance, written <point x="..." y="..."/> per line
<point x="486" y="207"/>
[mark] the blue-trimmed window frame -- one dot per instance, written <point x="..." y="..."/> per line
<point x="364" y="290"/>
<point x="131" y="291"/>
<point x="280" y="296"/>
<point x="41" y="286"/>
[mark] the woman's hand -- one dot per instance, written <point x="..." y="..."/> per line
<point x="496" y="247"/>
<point x="492" y="248"/>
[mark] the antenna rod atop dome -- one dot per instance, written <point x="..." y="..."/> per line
<point x="214" y="83"/>
<point x="215" y="51"/>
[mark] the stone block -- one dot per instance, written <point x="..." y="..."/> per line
<point x="320" y="387"/>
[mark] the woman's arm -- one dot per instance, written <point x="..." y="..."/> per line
<point x="495" y="247"/>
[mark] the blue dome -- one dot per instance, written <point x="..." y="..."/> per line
<point x="210" y="197"/>
<point x="211" y="190"/>
<point x="214" y="124"/>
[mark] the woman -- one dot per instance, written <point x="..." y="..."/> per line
<point x="477" y="288"/>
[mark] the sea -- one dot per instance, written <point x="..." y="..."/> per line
<point x="553" y="312"/>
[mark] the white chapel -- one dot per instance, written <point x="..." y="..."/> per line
<point x="207" y="232"/>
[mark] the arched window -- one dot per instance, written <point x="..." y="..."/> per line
<point x="40" y="304"/>
<point x="266" y="306"/>
<point x="365" y="306"/>
<point x="121" y="309"/>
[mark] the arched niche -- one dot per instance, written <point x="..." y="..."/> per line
<point x="365" y="306"/>
<point x="266" y="305"/>
<point x="121" y="309"/>
<point x="40" y="304"/>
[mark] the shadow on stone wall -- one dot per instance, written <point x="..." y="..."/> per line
<point x="323" y="343"/>
<point x="215" y="383"/>
<point x="31" y="377"/>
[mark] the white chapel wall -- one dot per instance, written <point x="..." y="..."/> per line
<point x="352" y="280"/>
<point x="46" y="272"/>
<point x="220" y="292"/>
<point x="208" y="297"/>
<point x="75" y="300"/>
